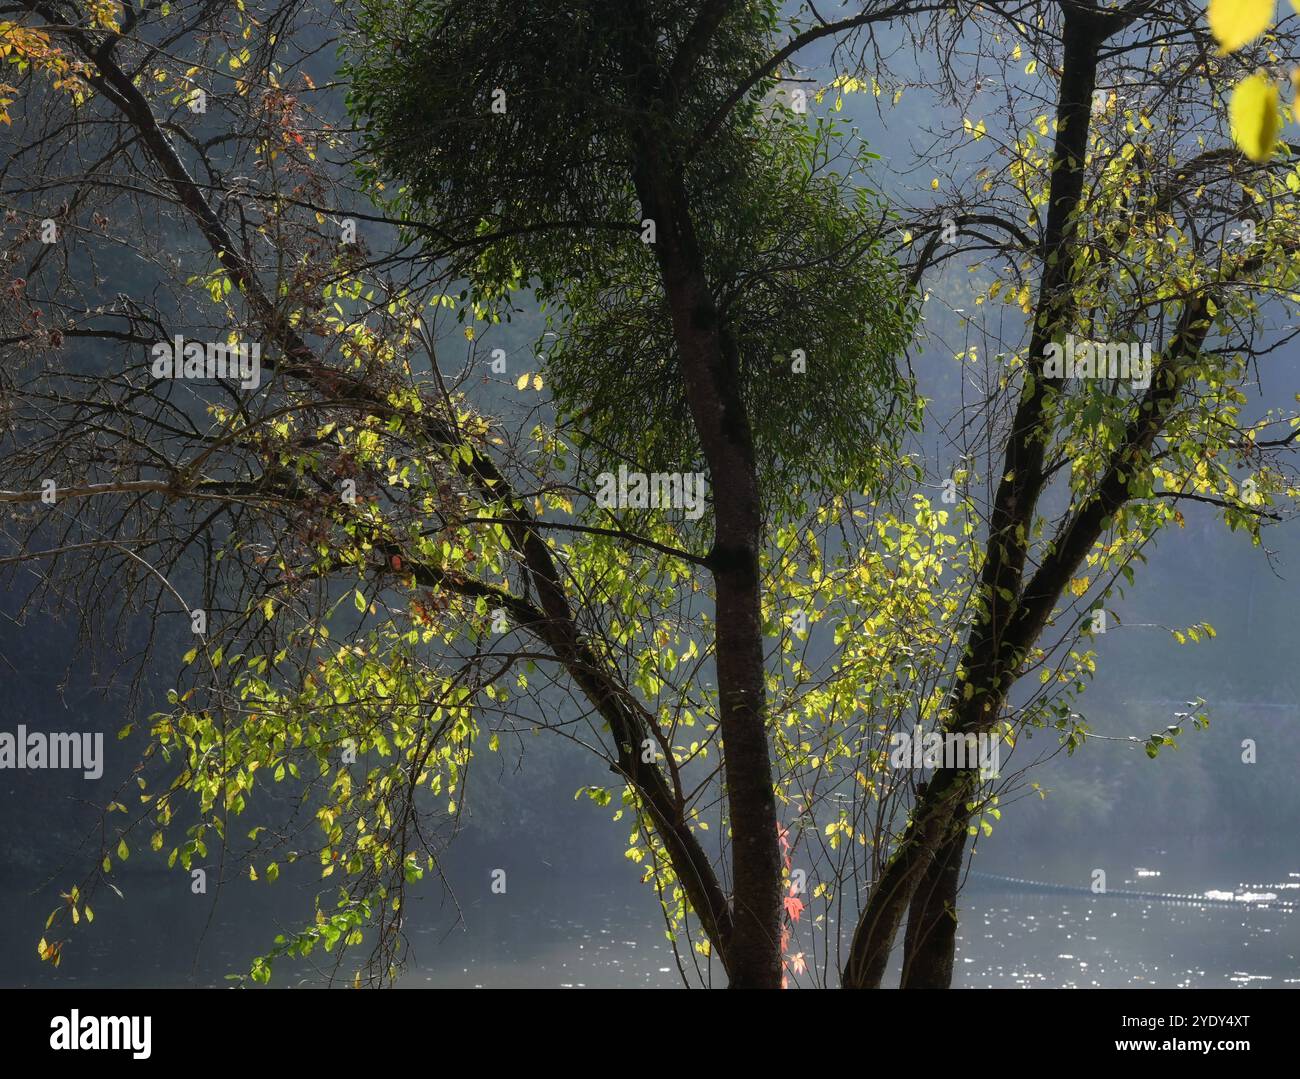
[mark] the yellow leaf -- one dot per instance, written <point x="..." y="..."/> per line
<point x="521" y="382"/>
<point x="537" y="382"/>
<point x="1235" y="23"/>
<point x="1253" y="113"/>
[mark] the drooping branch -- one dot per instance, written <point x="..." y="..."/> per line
<point x="553" y="620"/>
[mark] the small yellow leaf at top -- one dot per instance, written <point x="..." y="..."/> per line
<point x="521" y="382"/>
<point x="537" y="382"/>
<point x="469" y="333"/>
<point x="1254" y="116"/>
<point x="1235" y="23"/>
<point x="934" y="184"/>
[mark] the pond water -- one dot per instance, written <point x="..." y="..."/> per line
<point x="542" y="936"/>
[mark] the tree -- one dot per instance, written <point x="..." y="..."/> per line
<point x="348" y="464"/>
<point x="1086" y="215"/>
<point x="556" y="125"/>
<point x="1139" y="214"/>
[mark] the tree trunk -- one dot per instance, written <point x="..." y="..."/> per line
<point x="990" y="657"/>
<point x="711" y="376"/>
<point x="752" y="957"/>
<point x="939" y="805"/>
<point x="930" y="942"/>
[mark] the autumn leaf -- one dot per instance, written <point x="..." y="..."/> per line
<point x="1235" y="23"/>
<point x="793" y="907"/>
<point x="1253" y="113"/>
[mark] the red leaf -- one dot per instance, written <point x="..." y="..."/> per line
<point x="793" y="907"/>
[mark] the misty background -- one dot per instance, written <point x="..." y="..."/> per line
<point x="575" y="912"/>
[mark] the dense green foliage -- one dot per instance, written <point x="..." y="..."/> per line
<point x="539" y="193"/>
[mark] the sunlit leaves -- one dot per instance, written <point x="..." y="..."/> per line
<point x="30" y="49"/>
<point x="1253" y="110"/>
<point x="1235" y="23"/>
<point x="1255" y="116"/>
